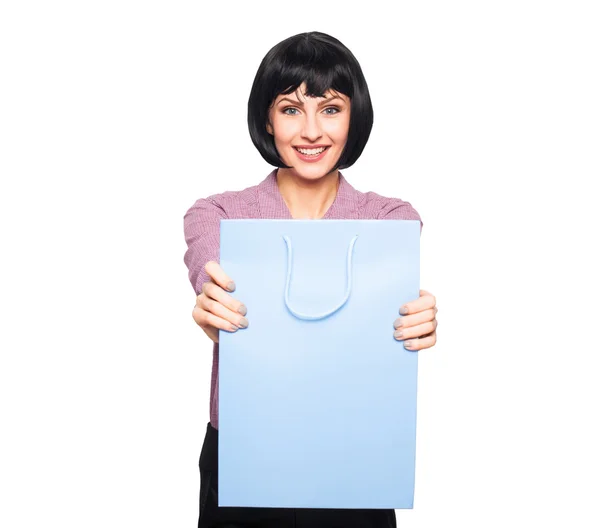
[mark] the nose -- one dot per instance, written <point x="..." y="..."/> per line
<point x="311" y="129"/>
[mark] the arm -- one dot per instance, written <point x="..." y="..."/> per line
<point x="214" y="309"/>
<point x="201" y="227"/>
<point x="418" y="317"/>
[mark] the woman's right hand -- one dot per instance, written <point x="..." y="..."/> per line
<point x="215" y="309"/>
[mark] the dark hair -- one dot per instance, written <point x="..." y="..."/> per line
<point x="324" y="63"/>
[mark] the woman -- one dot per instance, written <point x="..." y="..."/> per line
<point x="309" y="115"/>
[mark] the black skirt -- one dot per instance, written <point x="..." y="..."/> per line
<point x="211" y="515"/>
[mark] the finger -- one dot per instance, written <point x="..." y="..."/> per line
<point x="221" y="311"/>
<point x="212" y="333"/>
<point x="415" y="331"/>
<point x="422" y="342"/>
<point x="216" y="273"/>
<point x="206" y="319"/>
<point x="213" y="291"/>
<point x="418" y="305"/>
<point x="415" y="319"/>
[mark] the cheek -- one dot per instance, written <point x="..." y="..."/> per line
<point x="284" y="130"/>
<point x="338" y="131"/>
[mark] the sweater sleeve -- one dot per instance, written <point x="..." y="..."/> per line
<point x="201" y="227"/>
<point x="396" y="209"/>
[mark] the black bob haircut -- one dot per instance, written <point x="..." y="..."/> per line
<point x="324" y="63"/>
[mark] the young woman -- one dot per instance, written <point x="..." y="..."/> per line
<point x="309" y="115"/>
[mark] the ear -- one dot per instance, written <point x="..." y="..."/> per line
<point x="270" y="129"/>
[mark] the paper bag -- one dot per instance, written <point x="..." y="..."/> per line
<point x="317" y="399"/>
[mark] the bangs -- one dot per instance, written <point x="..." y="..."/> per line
<point x="319" y="67"/>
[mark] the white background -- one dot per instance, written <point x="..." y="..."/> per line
<point x="116" y="116"/>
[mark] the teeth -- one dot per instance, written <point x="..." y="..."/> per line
<point x="312" y="152"/>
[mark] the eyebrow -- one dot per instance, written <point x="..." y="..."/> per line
<point x="302" y="104"/>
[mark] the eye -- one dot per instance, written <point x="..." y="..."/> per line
<point x="337" y="110"/>
<point x="285" y="110"/>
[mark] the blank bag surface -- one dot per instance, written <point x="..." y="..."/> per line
<point x="317" y="399"/>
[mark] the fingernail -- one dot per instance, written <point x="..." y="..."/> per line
<point x="407" y="344"/>
<point x="404" y="310"/>
<point x="398" y="323"/>
<point x="243" y="310"/>
<point x="398" y="334"/>
<point x="234" y="328"/>
<point x="231" y="286"/>
<point x="243" y="323"/>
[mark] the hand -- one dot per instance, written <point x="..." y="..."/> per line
<point x="418" y="323"/>
<point x="215" y="309"/>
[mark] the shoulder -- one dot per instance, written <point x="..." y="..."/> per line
<point x="228" y="204"/>
<point x="374" y="206"/>
<point x="379" y="207"/>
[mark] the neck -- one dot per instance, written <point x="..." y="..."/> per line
<point x="307" y="198"/>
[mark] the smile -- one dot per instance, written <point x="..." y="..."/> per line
<point x="311" y="154"/>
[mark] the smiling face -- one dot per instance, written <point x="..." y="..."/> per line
<point x="310" y="132"/>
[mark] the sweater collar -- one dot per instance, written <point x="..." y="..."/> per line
<point x="272" y="204"/>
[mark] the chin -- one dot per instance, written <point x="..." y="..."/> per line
<point x="311" y="173"/>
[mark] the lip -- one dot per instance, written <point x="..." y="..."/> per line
<point x="311" y="159"/>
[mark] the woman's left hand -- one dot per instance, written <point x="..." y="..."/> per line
<point x="417" y="326"/>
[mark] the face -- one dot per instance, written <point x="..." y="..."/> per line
<point x="310" y="132"/>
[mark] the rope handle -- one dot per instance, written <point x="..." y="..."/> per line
<point x="309" y="317"/>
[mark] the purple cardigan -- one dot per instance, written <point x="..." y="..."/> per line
<point x="201" y="230"/>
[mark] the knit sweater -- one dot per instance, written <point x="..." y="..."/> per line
<point x="201" y="225"/>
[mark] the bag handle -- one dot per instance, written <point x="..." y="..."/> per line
<point x="308" y="317"/>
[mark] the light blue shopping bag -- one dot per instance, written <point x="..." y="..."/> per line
<point x="317" y="400"/>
